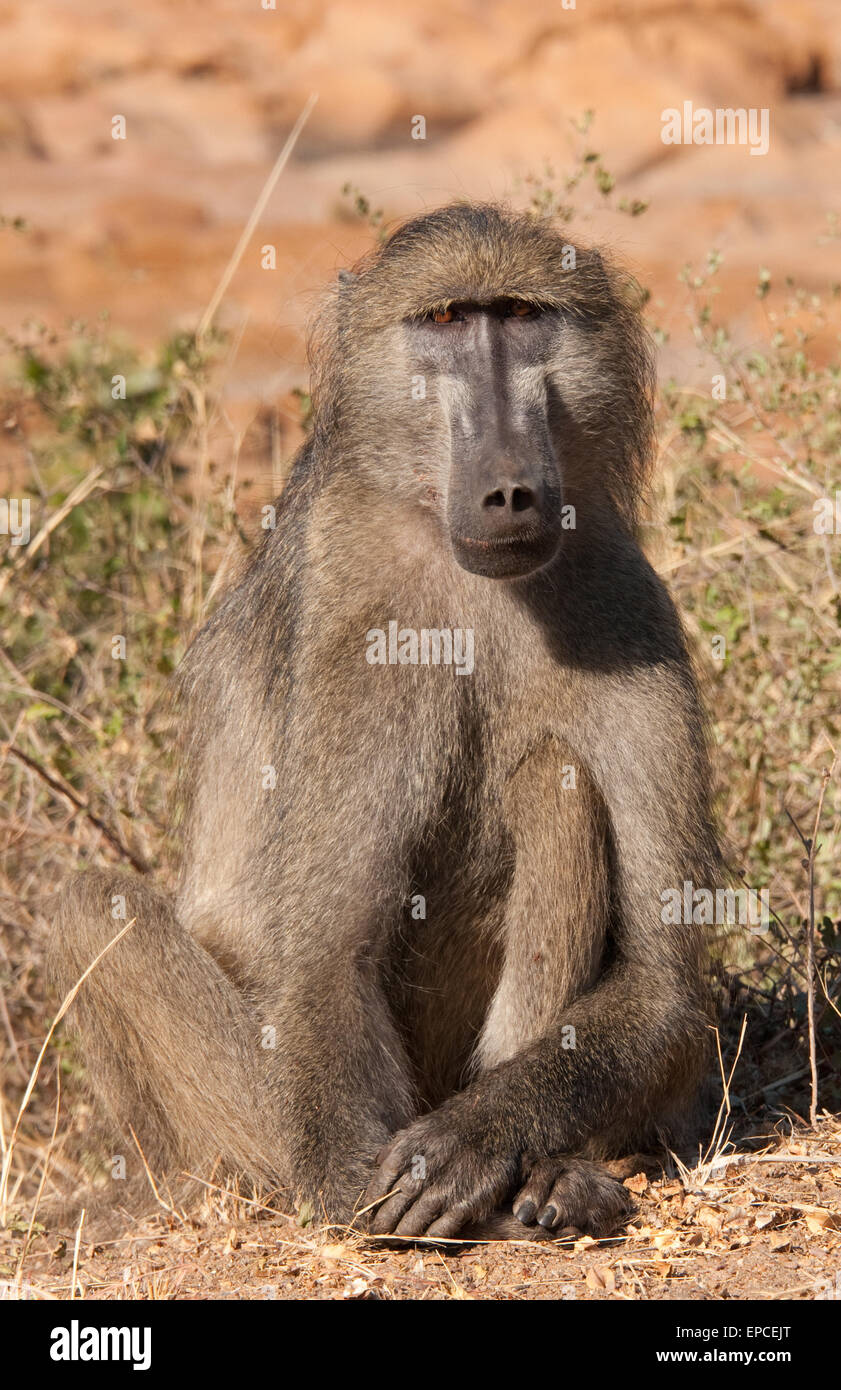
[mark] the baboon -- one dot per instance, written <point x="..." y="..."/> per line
<point x="417" y="949"/>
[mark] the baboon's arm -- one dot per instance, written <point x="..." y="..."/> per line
<point x="610" y="1058"/>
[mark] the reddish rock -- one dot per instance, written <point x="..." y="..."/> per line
<point x="144" y="227"/>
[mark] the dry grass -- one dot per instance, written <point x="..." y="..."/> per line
<point x="142" y="508"/>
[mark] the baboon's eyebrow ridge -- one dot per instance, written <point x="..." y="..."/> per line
<point x="494" y="303"/>
<point x="477" y="255"/>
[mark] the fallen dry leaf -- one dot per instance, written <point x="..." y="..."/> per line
<point x="821" y="1220"/>
<point x="822" y="1215"/>
<point x="583" y="1243"/>
<point x="356" y="1288"/>
<point x="638" y="1183"/>
<point x="709" y="1218"/>
<point x="334" y="1252"/>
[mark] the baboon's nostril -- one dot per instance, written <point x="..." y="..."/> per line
<point x="511" y="497"/>
<point x="522" y="498"/>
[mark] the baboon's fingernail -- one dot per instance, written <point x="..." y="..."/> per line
<point x="525" y="1211"/>
<point x="548" y="1216"/>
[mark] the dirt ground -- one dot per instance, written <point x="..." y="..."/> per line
<point x="764" y="1225"/>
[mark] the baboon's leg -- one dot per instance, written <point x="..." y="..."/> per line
<point x="345" y="1080"/>
<point x="555" y="936"/>
<point x="342" y="1069"/>
<point x="608" y="1062"/>
<point x="170" y="1046"/>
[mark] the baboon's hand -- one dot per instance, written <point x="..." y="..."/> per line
<point x="561" y="1191"/>
<point x="434" y="1180"/>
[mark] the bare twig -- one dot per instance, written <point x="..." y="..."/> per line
<point x="728" y="1160"/>
<point x="47" y="1157"/>
<point x="65" y="1005"/>
<point x="78" y="494"/>
<point x="719" y="1139"/>
<point x="811" y="847"/>
<point x="64" y="789"/>
<point x="76" y="1246"/>
<point x="158" y="1198"/>
<point x="259" y="207"/>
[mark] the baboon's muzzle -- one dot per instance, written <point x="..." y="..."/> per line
<point x="504" y="500"/>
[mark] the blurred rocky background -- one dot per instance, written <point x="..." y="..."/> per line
<point x="142" y="228"/>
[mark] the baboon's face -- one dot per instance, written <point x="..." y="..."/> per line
<point x="490" y="363"/>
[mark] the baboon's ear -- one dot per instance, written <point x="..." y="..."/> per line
<point x="597" y="268"/>
<point x="597" y="284"/>
<point x="346" y="278"/>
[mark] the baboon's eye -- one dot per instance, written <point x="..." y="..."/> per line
<point x="443" y="315"/>
<point x="521" y="309"/>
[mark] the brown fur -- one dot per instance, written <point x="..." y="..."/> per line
<point x="293" y="908"/>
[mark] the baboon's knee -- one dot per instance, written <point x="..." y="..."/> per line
<point x="90" y="912"/>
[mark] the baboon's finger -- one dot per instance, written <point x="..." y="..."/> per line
<point x="393" y="1209"/>
<point x="387" y="1175"/>
<point x="535" y="1191"/>
<point x="586" y="1197"/>
<point x="451" y="1222"/>
<point x="424" y="1212"/>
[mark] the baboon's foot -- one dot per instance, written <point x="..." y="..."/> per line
<point x="560" y="1192"/>
<point x="432" y="1181"/>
